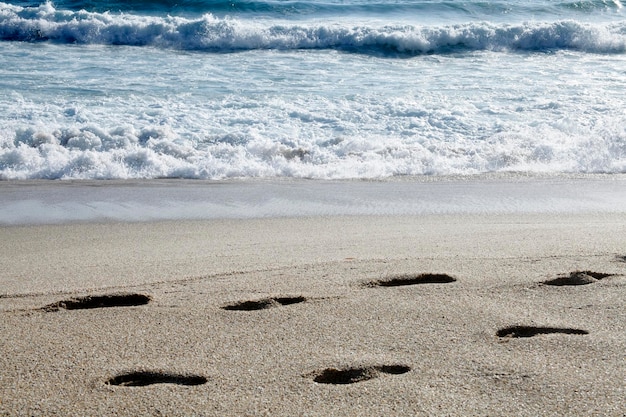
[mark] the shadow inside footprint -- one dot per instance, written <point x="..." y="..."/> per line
<point x="394" y="369"/>
<point x="530" y="331"/>
<point x="285" y="301"/>
<point x="577" y="278"/>
<point x="344" y="376"/>
<point x="264" y="303"/>
<point x="353" y="375"/>
<point x="144" y="378"/>
<point x="249" y="305"/>
<point x="413" y="280"/>
<point x="100" y="301"/>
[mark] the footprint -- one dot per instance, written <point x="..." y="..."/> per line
<point x="264" y="303"/>
<point x="144" y="378"/>
<point x="577" y="278"/>
<point x="530" y="331"/>
<point x="401" y="280"/>
<point x="100" y="301"/>
<point x="353" y="375"/>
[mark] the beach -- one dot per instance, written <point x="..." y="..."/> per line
<point x="313" y="208"/>
<point x="506" y="300"/>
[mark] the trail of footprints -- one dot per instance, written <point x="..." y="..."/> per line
<point x="333" y="376"/>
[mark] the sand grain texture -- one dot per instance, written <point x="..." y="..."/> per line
<point x="430" y="349"/>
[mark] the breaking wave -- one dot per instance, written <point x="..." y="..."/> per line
<point x="220" y="35"/>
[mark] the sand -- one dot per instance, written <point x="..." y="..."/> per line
<point x="294" y="315"/>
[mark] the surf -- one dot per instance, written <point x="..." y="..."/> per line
<point x="212" y="34"/>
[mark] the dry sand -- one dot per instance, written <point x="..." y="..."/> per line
<point x="288" y="316"/>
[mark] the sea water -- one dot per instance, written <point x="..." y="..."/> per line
<point x="332" y="89"/>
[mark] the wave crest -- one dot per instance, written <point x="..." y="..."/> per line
<point x="211" y="34"/>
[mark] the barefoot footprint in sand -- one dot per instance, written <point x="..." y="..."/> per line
<point x="264" y="303"/>
<point x="578" y="278"/>
<point x="411" y="279"/>
<point x="530" y="331"/>
<point x="100" y="301"/>
<point x="353" y="375"/>
<point x="144" y="378"/>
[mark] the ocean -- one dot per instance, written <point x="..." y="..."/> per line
<point x="332" y="89"/>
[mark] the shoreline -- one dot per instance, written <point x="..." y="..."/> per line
<point x="105" y="201"/>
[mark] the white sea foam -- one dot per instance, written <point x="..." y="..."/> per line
<point x="104" y="95"/>
<point x="210" y="33"/>
<point x="83" y="156"/>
